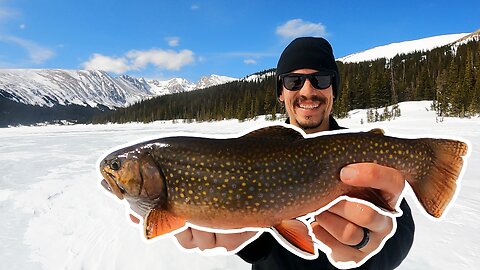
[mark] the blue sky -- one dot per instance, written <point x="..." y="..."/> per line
<point x="190" y="39"/>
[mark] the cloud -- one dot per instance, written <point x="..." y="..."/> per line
<point x="22" y="26"/>
<point x="250" y="61"/>
<point x="7" y="13"/>
<point x="136" y="60"/>
<point x="173" y="41"/>
<point x="37" y="53"/>
<point x="163" y="59"/>
<point x="194" y="7"/>
<point x="106" y="63"/>
<point x="297" y="27"/>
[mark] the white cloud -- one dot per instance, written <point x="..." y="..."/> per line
<point x="6" y="13"/>
<point x="106" y="63"/>
<point x="297" y="27"/>
<point x="250" y="61"/>
<point x="173" y="41"/>
<point x="163" y="59"/>
<point x="22" y="26"/>
<point x="136" y="60"/>
<point x="37" y="53"/>
<point x="194" y="7"/>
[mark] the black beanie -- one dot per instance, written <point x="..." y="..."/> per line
<point x="308" y="52"/>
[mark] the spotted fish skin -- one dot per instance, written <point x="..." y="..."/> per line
<point x="272" y="174"/>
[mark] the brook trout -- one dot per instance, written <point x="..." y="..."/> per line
<point x="269" y="177"/>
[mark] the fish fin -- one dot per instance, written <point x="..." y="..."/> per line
<point x="134" y="219"/>
<point x="296" y="233"/>
<point x="159" y="222"/>
<point x="372" y="195"/>
<point x="435" y="189"/>
<point x="275" y="132"/>
<point x="378" y="131"/>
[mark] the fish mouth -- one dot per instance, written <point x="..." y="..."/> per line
<point x="111" y="186"/>
<point x="106" y="186"/>
<point x="138" y="206"/>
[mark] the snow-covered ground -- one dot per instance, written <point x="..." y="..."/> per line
<point x="55" y="216"/>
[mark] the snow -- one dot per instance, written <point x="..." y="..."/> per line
<point x="391" y="50"/>
<point x="55" y="215"/>
<point x="258" y="77"/>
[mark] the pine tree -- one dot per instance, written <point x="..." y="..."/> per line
<point x="442" y="100"/>
<point x="468" y="84"/>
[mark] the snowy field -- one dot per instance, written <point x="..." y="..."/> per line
<point x="55" y="216"/>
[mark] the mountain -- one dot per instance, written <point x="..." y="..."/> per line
<point x="50" y="87"/>
<point x="212" y="80"/>
<point x="391" y="50"/>
<point x="29" y="96"/>
<point x="178" y="85"/>
<point x="175" y="85"/>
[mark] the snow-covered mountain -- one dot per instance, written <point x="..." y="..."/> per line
<point x="49" y="87"/>
<point x="212" y="80"/>
<point x="177" y="85"/>
<point x="391" y="50"/>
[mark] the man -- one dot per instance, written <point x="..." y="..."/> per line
<point x="307" y="84"/>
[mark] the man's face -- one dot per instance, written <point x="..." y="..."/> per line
<point x="308" y="108"/>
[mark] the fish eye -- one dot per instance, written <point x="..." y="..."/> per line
<point x="115" y="165"/>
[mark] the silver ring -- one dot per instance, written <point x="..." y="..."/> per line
<point x="365" y="239"/>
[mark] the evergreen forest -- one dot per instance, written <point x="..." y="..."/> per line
<point x="449" y="76"/>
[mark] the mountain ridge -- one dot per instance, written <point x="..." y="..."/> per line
<point x="50" y="87"/>
<point x="390" y="50"/>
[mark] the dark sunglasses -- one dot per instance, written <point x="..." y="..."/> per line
<point x="295" y="81"/>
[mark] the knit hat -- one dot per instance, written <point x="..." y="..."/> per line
<point x="308" y="52"/>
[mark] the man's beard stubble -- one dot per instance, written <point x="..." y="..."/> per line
<point x="311" y="125"/>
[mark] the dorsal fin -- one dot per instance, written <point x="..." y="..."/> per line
<point x="275" y="132"/>
<point x="378" y="131"/>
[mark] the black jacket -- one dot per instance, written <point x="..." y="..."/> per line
<point x="266" y="253"/>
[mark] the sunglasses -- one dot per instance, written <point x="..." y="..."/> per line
<point x="295" y="81"/>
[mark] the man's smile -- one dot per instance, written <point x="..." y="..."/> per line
<point x="309" y="106"/>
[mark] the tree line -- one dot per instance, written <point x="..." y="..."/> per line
<point x="448" y="76"/>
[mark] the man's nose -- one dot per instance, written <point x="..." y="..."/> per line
<point x="307" y="89"/>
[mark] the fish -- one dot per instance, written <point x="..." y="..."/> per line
<point x="270" y="177"/>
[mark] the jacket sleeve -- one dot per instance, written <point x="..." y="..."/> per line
<point x="258" y="249"/>
<point x="390" y="257"/>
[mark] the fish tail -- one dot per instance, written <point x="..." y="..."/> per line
<point x="436" y="188"/>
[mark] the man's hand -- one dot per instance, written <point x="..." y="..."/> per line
<point x="193" y="238"/>
<point x="341" y="226"/>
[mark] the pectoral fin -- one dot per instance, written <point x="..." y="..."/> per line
<point x="296" y="233"/>
<point x="159" y="222"/>
<point x="373" y="196"/>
